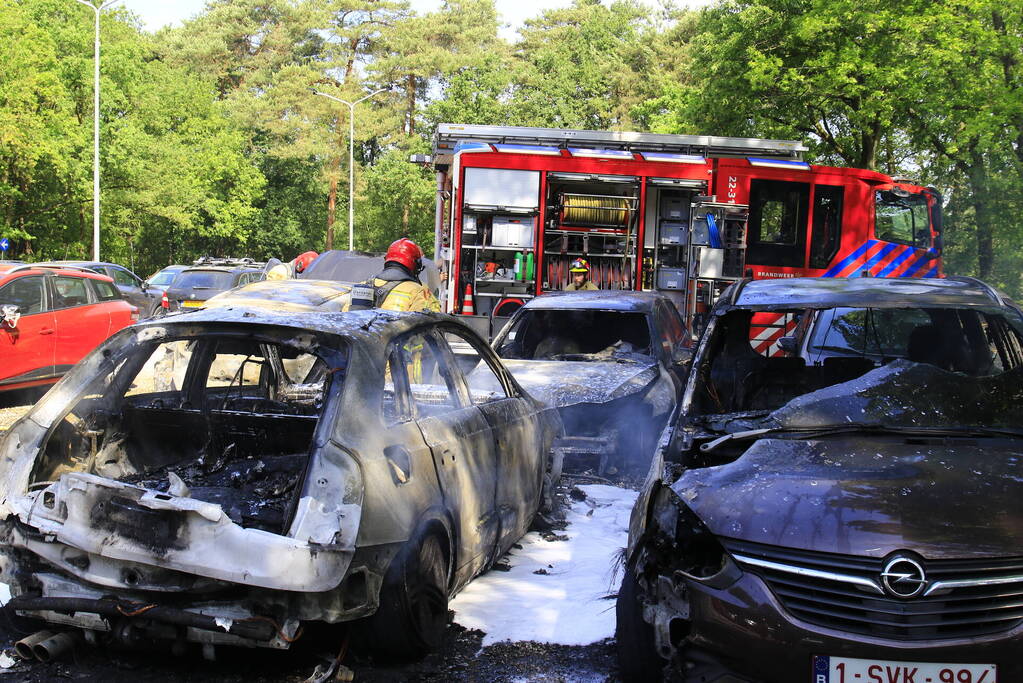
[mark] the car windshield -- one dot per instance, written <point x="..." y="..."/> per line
<point x="908" y="367"/>
<point x="204" y="279"/>
<point x="576" y="335"/>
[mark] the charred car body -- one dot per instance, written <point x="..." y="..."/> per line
<point x="852" y="511"/>
<point x="224" y="476"/>
<point x="611" y="362"/>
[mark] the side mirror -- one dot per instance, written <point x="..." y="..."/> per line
<point x="145" y="285"/>
<point x="9" y="315"/>
<point x="788" y="345"/>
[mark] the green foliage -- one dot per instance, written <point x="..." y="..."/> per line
<point x="213" y="140"/>
<point x="398" y="202"/>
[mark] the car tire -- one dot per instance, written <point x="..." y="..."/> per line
<point x="637" y="656"/>
<point x="158" y="311"/>
<point x="413" y="611"/>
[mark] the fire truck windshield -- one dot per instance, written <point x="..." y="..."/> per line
<point x="902" y="217"/>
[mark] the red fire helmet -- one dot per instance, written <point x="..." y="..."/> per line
<point x="407" y="253"/>
<point x="302" y="261"/>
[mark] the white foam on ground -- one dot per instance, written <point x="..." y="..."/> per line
<point x="569" y="605"/>
<point x="5" y="593"/>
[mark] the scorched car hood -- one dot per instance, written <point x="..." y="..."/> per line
<point x="565" y="383"/>
<point x="867" y="497"/>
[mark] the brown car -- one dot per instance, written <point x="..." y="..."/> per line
<point x="844" y="506"/>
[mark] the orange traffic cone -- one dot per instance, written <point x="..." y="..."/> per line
<point x="467" y="307"/>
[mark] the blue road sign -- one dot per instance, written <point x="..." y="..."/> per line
<point x="5" y="244"/>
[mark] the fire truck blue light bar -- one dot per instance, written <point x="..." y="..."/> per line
<point x="674" y="158"/>
<point x="600" y="153"/>
<point x="778" y="163"/>
<point x="473" y="146"/>
<point x="528" y="149"/>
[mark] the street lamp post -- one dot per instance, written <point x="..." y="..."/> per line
<point x="351" y="157"/>
<point x="95" y="128"/>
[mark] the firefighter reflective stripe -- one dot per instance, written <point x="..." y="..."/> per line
<point x="414" y="351"/>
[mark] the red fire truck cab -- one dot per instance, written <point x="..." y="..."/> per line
<point x="681" y="214"/>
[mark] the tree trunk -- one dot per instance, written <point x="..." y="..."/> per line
<point x="404" y="220"/>
<point x="868" y="146"/>
<point x="978" y="179"/>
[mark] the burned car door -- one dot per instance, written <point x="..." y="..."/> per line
<point x="462" y="445"/>
<point x="517" y="437"/>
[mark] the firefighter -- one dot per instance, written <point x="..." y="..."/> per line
<point x="397" y="286"/>
<point x="287" y="271"/>
<point x="580" y="277"/>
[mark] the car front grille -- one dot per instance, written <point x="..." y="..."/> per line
<point x="962" y="598"/>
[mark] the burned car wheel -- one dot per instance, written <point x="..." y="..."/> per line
<point x="413" y="611"/>
<point x="637" y="656"/>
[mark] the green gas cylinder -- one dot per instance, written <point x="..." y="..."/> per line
<point x="530" y="265"/>
<point x="519" y="270"/>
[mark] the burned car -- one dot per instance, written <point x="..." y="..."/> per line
<point x="286" y="296"/>
<point x="613" y="364"/>
<point x="851" y="510"/>
<point x="228" y="475"/>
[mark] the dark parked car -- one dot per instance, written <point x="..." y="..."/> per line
<point x="135" y="290"/>
<point x="226" y="475"/>
<point x="162" y="279"/>
<point x="613" y="364"/>
<point x="209" y="277"/>
<point x="851" y="511"/>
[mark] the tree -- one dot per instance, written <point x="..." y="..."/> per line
<point x="831" y="70"/>
<point x="582" y="66"/>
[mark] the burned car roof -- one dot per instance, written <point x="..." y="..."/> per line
<point x="371" y="327"/>
<point x="640" y="302"/>
<point x="285" y="296"/>
<point x="821" y="292"/>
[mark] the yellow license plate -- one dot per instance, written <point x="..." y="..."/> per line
<point x="192" y="304"/>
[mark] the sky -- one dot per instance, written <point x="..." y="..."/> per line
<point x="156" y="15"/>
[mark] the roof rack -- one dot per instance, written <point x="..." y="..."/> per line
<point x="226" y="261"/>
<point x="448" y="135"/>
<point x="53" y="266"/>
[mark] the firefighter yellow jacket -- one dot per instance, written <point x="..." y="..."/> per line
<point x="587" y="286"/>
<point x="408" y="296"/>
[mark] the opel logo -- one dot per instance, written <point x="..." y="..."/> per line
<point x="903" y="577"/>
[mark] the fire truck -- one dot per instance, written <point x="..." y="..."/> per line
<point x="685" y="215"/>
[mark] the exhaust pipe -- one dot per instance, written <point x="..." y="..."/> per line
<point x="23" y="647"/>
<point x="54" y="647"/>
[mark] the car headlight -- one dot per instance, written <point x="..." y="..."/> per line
<point x="685" y="545"/>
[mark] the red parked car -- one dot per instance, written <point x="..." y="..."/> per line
<point x="50" y="317"/>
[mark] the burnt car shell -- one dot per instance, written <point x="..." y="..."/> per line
<point x="761" y="539"/>
<point x="614" y="399"/>
<point x="262" y="506"/>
